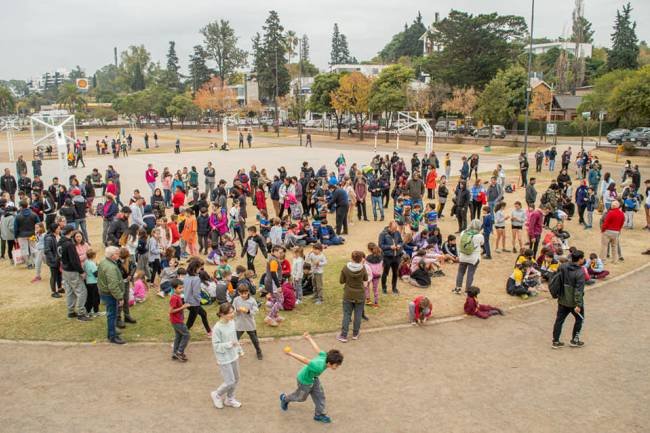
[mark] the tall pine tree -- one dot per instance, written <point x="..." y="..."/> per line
<point x="340" y="52"/>
<point x="271" y="59"/>
<point x="199" y="71"/>
<point x="172" y="75"/>
<point x="625" y="51"/>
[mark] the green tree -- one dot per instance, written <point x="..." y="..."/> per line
<point x="352" y="96"/>
<point x="134" y="68"/>
<point x="291" y="41"/>
<point x="107" y="80"/>
<point x="270" y="59"/>
<point x="320" y="100"/>
<point x="388" y="92"/>
<point x="493" y="105"/>
<point x="199" y="71"/>
<point x="625" y="51"/>
<point x="514" y="78"/>
<point x="7" y="101"/>
<point x="475" y="47"/>
<point x="405" y="43"/>
<point x="221" y="45"/>
<point x="77" y="72"/>
<point x="582" y="31"/>
<point x="172" y="73"/>
<point x="630" y="100"/>
<point x="182" y="108"/>
<point x="340" y="52"/>
<point x="70" y="98"/>
<point x="600" y="98"/>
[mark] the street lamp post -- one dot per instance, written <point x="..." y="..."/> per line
<point x="530" y="65"/>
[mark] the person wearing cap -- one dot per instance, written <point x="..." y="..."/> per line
<point x="571" y="300"/>
<point x="73" y="276"/>
<point x="118" y="227"/>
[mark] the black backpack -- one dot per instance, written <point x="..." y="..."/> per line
<point x="556" y="284"/>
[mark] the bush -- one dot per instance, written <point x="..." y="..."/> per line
<point x="629" y="148"/>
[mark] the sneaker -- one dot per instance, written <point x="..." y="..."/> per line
<point x="323" y="418"/>
<point x="524" y="297"/>
<point x="318" y="302"/>
<point x="342" y="339"/>
<point x="117" y="340"/>
<point x="72" y="315"/>
<point x="216" y="400"/>
<point x="270" y="322"/>
<point x="284" y="404"/>
<point x="368" y="301"/>
<point x="355" y="337"/>
<point x="231" y="402"/>
<point x="101" y="313"/>
<point x="35" y="279"/>
<point x="260" y="356"/>
<point x="514" y="250"/>
<point x="456" y="290"/>
<point x="576" y="343"/>
<point x="298" y="302"/>
<point x="120" y="324"/>
<point x="55" y="295"/>
<point x="161" y="294"/>
<point x="84" y="318"/>
<point x="130" y="319"/>
<point x="557" y="345"/>
<point x="375" y="305"/>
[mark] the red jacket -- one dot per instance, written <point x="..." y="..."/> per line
<point x="431" y="179"/>
<point x="260" y="199"/>
<point x="614" y="220"/>
<point x="471" y="305"/>
<point x="535" y="223"/>
<point x="417" y="301"/>
<point x="178" y="199"/>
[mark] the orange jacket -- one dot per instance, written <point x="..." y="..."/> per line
<point x="431" y="179"/>
<point x="189" y="229"/>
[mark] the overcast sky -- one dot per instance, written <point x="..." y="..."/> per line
<point x="38" y="36"/>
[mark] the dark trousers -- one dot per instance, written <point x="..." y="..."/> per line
<point x="194" y="311"/>
<point x="486" y="245"/>
<point x="348" y="308"/>
<point x="476" y="210"/>
<point x="461" y="216"/>
<point x="562" y="313"/>
<point x="534" y="244"/>
<point x="55" y="279"/>
<point x="124" y="309"/>
<point x="581" y="213"/>
<point x="342" y="220"/>
<point x="253" y="336"/>
<point x="111" y="315"/>
<point x="92" y="301"/>
<point x="155" y="269"/>
<point x="524" y="177"/>
<point x="181" y="337"/>
<point x="250" y="262"/>
<point x="204" y="243"/>
<point x="538" y="165"/>
<point x="7" y="246"/>
<point x="386" y="197"/>
<point x="390" y="264"/>
<point x="361" y="210"/>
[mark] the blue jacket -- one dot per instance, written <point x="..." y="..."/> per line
<point x="581" y="195"/>
<point x="387" y="240"/>
<point x="488" y="223"/>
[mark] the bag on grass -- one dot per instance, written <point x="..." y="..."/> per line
<point x="18" y="256"/>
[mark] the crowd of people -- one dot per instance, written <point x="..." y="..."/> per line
<point x="159" y="241"/>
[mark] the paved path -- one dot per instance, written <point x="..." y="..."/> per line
<point x="467" y="376"/>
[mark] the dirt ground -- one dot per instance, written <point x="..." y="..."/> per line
<point x="467" y="376"/>
<point x="24" y="306"/>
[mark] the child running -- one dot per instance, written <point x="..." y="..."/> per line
<point x="309" y="378"/>
<point x="227" y="350"/>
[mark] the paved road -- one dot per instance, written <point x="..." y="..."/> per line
<point x="467" y="376"/>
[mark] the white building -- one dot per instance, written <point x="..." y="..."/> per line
<point x="367" y="70"/>
<point x="48" y="80"/>
<point x="247" y="92"/>
<point x="428" y="45"/>
<point x="584" y="50"/>
<point x="305" y="86"/>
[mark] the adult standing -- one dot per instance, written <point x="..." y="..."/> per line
<point x="111" y="290"/>
<point x="494" y="193"/>
<point x="73" y="276"/>
<point x="109" y="212"/>
<point x="471" y="241"/>
<point x="308" y="141"/>
<point x="81" y="207"/>
<point x="375" y="197"/>
<point x="146" y="140"/>
<point x="531" y="193"/>
<point x="37" y="166"/>
<point x="8" y="184"/>
<point x="118" y="227"/>
<point x="535" y="227"/>
<point x="415" y="188"/>
<point x="249" y="139"/>
<point x="274" y="194"/>
<point x="241" y="140"/>
<point x="613" y="221"/>
<point x="552" y="154"/>
<point x="539" y="160"/>
<point x="523" y="169"/>
<point x="340" y="202"/>
<point x="431" y="185"/>
<point x="24" y="229"/>
<point x="361" y="191"/>
<point x="462" y="198"/>
<point x="210" y="177"/>
<point x="391" y="244"/>
<point x="52" y="259"/>
<point x="21" y="167"/>
<point x="150" y="176"/>
<point x="582" y="200"/>
<point x="353" y="277"/>
<point x="571" y="300"/>
<point x="155" y="138"/>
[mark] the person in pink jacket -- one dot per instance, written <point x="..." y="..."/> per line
<point x="150" y="176"/>
<point x="218" y="224"/>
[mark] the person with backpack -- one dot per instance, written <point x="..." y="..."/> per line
<point x="471" y="241"/>
<point x="567" y="286"/>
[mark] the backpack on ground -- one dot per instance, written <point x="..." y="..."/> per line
<point x="556" y="284"/>
<point x="466" y="242"/>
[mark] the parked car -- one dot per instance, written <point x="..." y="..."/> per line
<point x="618" y="136"/>
<point x="498" y="131"/>
<point x="441" y="125"/>
<point x="371" y="126"/>
<point x="313" y="123"/>
<point x="640" y="135"/>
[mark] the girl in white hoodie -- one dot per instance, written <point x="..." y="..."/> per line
<point x="227" y="351"/>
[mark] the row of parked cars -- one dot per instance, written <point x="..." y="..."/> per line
<point x="639" y="136"/>
<point x="452" y="127"/>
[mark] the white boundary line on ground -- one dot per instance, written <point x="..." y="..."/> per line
<point x="323" y="334"/>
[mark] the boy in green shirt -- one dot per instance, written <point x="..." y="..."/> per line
<point x="308" y="378"/>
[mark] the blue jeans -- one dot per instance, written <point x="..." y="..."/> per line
<point x="491" y="205"/>
<point x="111" y="315"/>
<point x="168" y="197"/>
<point x="486" y="245"/>
<point x="551" y="165"/>
<point x="376" y="203"/>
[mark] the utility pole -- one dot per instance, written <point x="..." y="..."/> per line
<point x="275" y="99"/>
<point x="530" y="65"/>
<point x="300" y="89"/>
